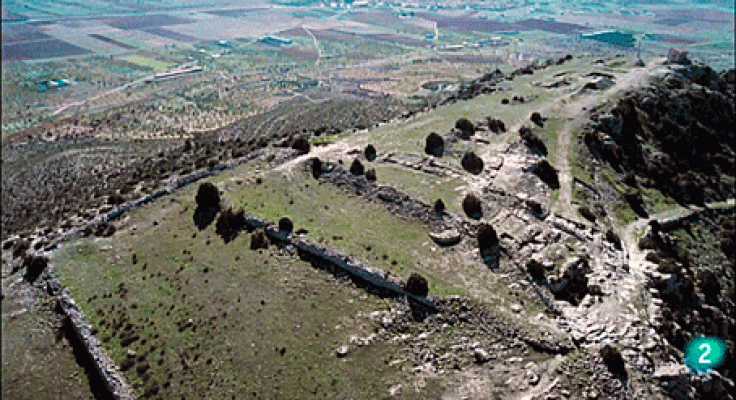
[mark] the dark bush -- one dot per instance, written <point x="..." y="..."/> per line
<point x="439" y="206"/>
<point x="728" y="247"/>
<point x="465" y="126"/>
<point x="708" y="282"/>
<point x="546" y="173"/>
<point x="612" y="237"/>
<point x="532" y="141"/>
<point x="259" y="240"/>
<point x="472" y="206"/>
<point x="472" y="163"/>
<point x="20" y="247"/>
<point x="115" y="200"/>
<point x="105" y="229"/>
<point x="487" y="237"/>
<point x="417" y="285"/>
<point x="229" y="224"/>
<point x="505" y="101"/>
<point x="613" y="360"/>
<point x="496" y="125"/>
<point x="356" y="168"/>
<point x="370" y="152"/>
<point x="301" y="144"/>
<point x="208" y="196"/>
<point x="370" y="174"/>
<point x="435" y="145"/>
<point x="286" y="225"/>
<point x="535" y="269"/>
<point x="34" y="266"/>
<point x="586" y="213"/>
<point x="536" y="117"/>
<point x="630" y="179"/>
<point x="635" y="200"/>
<point x="316" y="165"/>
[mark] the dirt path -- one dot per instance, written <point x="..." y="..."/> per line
<point x="577" y="114"/>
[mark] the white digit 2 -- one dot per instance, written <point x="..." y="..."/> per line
<point x="702" y="358"/>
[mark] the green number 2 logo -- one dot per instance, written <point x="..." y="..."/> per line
<point x="702" y="358"/>
<point x="704" y="353"/>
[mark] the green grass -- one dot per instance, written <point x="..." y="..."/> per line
<point x="146" y="62"/>
<point x="245" y="305"/>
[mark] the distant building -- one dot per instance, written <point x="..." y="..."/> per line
<point x="275" y="40"/>
<point x="612" y="37"/>
<point x="176" y="72"/>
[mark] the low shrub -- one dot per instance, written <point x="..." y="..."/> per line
<point x="586" y="213"/>
<point x="259" y="240"/>
<point x="229" y="224"/>
<point x="301" y="144"/>
<point x="208" y="196"/>
<point x="285" y="224"/>
<point x="434" y="145"/>
<point x="472" y="206"/>
<point x="35" y="265"/>
<point x="472" y="163"/>
<point x="532" y="141"/>
<point x="487" y="237"/>
<point x="316" y="166"/>
<point x="417" y="285"/>
<point x="536" y="117"/>
<point x="535" y="269"/>
<point x="370" y="174"/>
<point x="613" y="360"/>
<point x="496" y="125"/>
<point x="439" y="206"/>
<point x="370" y="152"/>
<point x="465" y="126"/>
<point x="356" y="168"/>
<point x="546" y="173"/>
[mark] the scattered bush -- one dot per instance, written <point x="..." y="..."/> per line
<point x="472" y="163"/>
<point x="20" y="247"/>
<point x="505" y="101"/>
<point x="546" y="173"/>
<point x="229" y="224"/>
<point x="34" y="266"/>
<point x="487" y="237"/>
<point x="612" y="237"/>
<point x="613" y="360"/>
<point x="586" y="213"/>
<point x="435" y="145"/>
<point x="636" y="201"/>
<point x="370" y="174"/>
<point x="208" y="196"/>
<point x="535" y="269"/>
<point x="417" y="285"/>
<point x="105" y="229"/>
<point x="728" y="247"/>
<point x="536" y="117"/>
<point x="630" y="179"/>
<point x="316" y="165"/>
<point x="472" y="206"/>
<point x="370" y="152"/>
<point x="496" y="125"/>
<point x="301" y="144"/>
<point x="532" y="141"/>
<point x="465" y="126"/>
<point x="115" y="200"/>
<point x="708" y="282"/>
<point x="356" y="168"/>
<point x="259" y="240"/>
<point x="439" y="206"/>
<point x="286" y="225"/>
